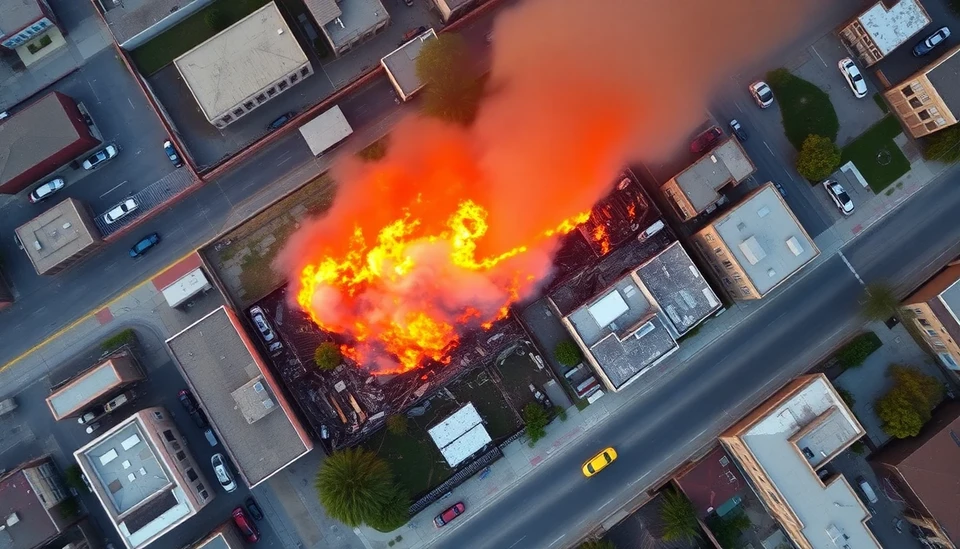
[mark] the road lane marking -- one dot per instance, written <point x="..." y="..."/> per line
<point x="91" y="312"/>
<point x="554" y="542"/>
<point x="769" y="149"/>
<point x="849" y="266"/>
<point x="518" y="541"/>
<point x="113" y="189"/>
<point x="609" y="501"/>
<point x="818" y="56"/>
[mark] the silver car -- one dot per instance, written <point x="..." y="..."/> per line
<point x="120" y="211"/>
<point x="224" y="476"/>
<point x="96" y="159"/>
<point x="839" y="196"/>
<point x="46" y="190"/>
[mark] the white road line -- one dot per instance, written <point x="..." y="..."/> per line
<point x="282" y="162"/>
<point x="113" y="189"/>
<point x="818" y="56"/>
<point x="769" y="149"/>
<point x="131" y="103"/>
<point x="849" y="266"/>
<point x="518" y="541"/>
<point x="556" y="540"/>
<point x="609" y="501"/>
<point x="737" y="103"/>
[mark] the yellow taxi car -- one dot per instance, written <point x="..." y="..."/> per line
<point x="597" y="463"/>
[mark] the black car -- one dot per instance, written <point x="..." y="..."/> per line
<point x="190" y="405"/>
<point x="254" y="509"/>
<point x="172" y="154"/>
<point x="927" y="45"/>
<point x="738" y="130"/>
<point x="280" y="121"/>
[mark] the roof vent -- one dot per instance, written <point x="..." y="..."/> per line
<point x="644" y="330"/>
<point x="771" y="273"/>
<point x="268" y="403"/>
<point x="794" y="245"/>
<point x="741" y="226"/>
<point x="279" y="32"/>
<point x="714" y="158"/>
<point x="12" y="519"/>
<point x="763" y="212"/>
<point x="258" y="387"/>
<point x="37" y="246"/>
<point x="66" y="225"/>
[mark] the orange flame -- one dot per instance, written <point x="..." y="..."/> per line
<point x="390" y="260"/>
<point x="601" y="237"/>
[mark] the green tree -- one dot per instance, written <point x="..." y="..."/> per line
<point x="727" y="529"/>
<point x="327" y="356"/>
<point x="397" y="424"/>
<point x="880" y="302"/>
<point x="943" y="145"/>
<point x="355" y="487"/>
<point x="597" y="544"/>
<point x="394" y="514"/>
<point x="567" y="353"/>
<point x="907" y="406"/>
<point x="216" y="20"/>
<point x="71" y="475"/>
<point x="452" y="90"/>
<point x="678" y="517"/>
<point x="536" y="419"/>
<point x="846" y="396"/>
<point x="819" y="157"/>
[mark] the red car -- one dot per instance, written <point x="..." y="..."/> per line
<point x="706" y="140"/>
<point x="453" y="512"/>
<point x="248" y="529"/>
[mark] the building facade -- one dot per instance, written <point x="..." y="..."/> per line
<point x="29" y="27"/>
<point x="929" y="100"/>
<point x="145" y="476"/>
<point x="453" y="9"/>
<point x="95" y="385"/>
<point x="243" y="67"/>
<point x="756" y="245"/>
<point x="401" y="65"/>
<point x="783" y="444"/>
<point x="934" y="308"/>
<point x="883" y="27"/>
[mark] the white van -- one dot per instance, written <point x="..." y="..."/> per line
<point x="867" y="490"/>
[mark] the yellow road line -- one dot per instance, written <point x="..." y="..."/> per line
<point x="90" y="313"/>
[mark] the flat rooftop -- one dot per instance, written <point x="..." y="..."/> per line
<point x="239" y="394"/>
<point x="812" y="421"/>
<point x="944" y="76"/>
<point x="951" y="299"/>
<point x="356" y="18"/>
<point x="401" y="63"/>
<point x="765" y="238"/>
<point x="622" y="331"/>
<point x="240" y="61"/>
<point x="678" y="288"/>
<point x="57" y="235"/>
<point x="891" y="27"/>
<point x="460" y="435"/>
<point x="217" y="541"/>
<point x="712" y="482"/>
<point x="35" y="526"/>
<point x="131" y="17"/>
<point x="728" y="164"/>
<point x="92" y="384"/>
<point x="16" y="14"/>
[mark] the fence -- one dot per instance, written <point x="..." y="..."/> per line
<point x="456" y="480"/>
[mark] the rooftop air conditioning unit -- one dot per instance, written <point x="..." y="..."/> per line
<point x="12" y="519"/>
<point x="37" y="246"/>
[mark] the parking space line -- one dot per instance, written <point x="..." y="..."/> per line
<point x="818" y="56"/>
<point x="113" y="189"/>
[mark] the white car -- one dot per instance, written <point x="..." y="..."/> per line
<point x="762" y="94"/>
<point x="120" y="210"/>
<point x="46" y="190"/>
<point x="96" y="159"/>
<point x="839" y="196"/>
<point x="224" y="476"/>
<point x="854" y="79"/>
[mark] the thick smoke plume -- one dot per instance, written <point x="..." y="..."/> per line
<point x="580" y="88"/>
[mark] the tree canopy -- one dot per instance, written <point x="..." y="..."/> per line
<point x="356" y="487"/>
<point x="819" y="157"/>
<point x="679" y="517"/>
<point x="567" y="353"/>
<point x="536" y="419"/>
<point x="327" y="356"/>
<point x="943" y="145"/>
<point x="907" y="406"/>
<point x="452" y="90"/>
<point x="881" y="302"/>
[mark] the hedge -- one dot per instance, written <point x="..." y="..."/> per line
<point x="857" y="350"/>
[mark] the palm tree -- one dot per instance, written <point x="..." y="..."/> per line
<point x="678" y="516"/>
<point x="394" y="514"/>
<point x="881" y="302"/>
<point x="355" y="486"/>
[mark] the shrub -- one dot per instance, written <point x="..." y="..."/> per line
<point x="561" y="412"/>
<point x="327" y="356"/>
<point x="819" y="157"/>
<point x="536" y="420"/>
<point x="857" y="350"/>
<point x="71" y="475"/>
<point x="119" y="339"/>
<point x="907" y="406"/>
<point x="943" y="145"/>
<point x="374" y="151"/>
<point x="397" y="424"/>
<point x="567" y="353"/>
<point x="847" y="397"/>
<point x="69" y="508"/>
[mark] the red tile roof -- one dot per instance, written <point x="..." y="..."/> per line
<point x="711" y="482"/>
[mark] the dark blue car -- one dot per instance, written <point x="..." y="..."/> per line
<point x="281" y="121"/>
<point x="144" y="245"/>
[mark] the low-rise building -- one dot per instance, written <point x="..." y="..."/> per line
<point x="634" y="324"/>
<point x="348" y="23"/>
<point x="756" y="245"/>
<point x="697" y="188"/>
<point x="59" y="237"/>
<point x="401" y="65"/>
<point x="935" y="308"/>
<point x="929" y="100"/>
<point x="244" y="403"/>
<point x="36" y="141"/>
<point x="145" y="476"/>
<point x="31" y="505"/>
<point x="136" y="22"/>
<point x="95" y="385"/>
<point x="783" y="443"/>
<point x="225" y="536"/>
<point x="922" y="471"/>
<point x="452" y="9"/>
<point x="883" y="27"/>
<point x="241" y="68"/>
<point x="29" y="27"/>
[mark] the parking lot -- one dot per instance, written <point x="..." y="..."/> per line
<point x="901" y="63"/>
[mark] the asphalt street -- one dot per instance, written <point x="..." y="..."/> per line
<point x="664" y="425"/>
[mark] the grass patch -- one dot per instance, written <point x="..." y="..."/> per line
<point x="806" y="109"/>
<point x="856" y="351"/>
<point x="119" y="339"/>
<point x="191" y="32"/>
<point x="879" y="159"/>
<point x="499" y="418"/>
<point x="878" y="99"/>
